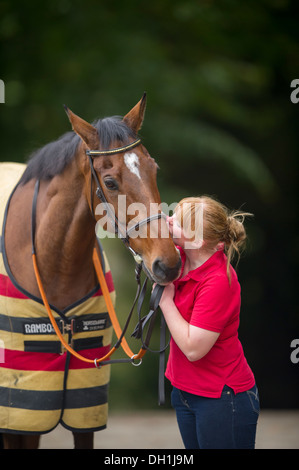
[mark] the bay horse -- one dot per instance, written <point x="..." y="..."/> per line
<point x="41" y="384"/>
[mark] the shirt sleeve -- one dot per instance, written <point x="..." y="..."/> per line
<point x="216" y="303"/>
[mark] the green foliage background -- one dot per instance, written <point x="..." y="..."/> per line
<point x="219" y="121"/>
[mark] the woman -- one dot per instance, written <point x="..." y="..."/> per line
<point x="214" y="392"/>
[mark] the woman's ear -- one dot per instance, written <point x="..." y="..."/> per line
<point x="220" y="246"/>
<point x="194" y="245"/>
<point x="199" y="244"/>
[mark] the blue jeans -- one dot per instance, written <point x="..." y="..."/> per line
<point x="228" y="422"/>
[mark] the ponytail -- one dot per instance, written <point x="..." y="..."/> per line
<point x="219" y="225"/>
<point x="234" y="237"/>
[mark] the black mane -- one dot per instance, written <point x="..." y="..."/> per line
<point x="52" y="159"/>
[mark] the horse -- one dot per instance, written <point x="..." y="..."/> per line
<point x="53" y="211"/>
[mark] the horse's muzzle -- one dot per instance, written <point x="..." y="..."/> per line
<point x="164" y="274"/>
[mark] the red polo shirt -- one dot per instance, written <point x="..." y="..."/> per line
<point x="205" y="299"/>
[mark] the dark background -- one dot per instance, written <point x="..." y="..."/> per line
<point x="219" y="121"/>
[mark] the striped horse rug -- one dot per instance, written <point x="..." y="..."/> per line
<point x="42" y="385"/>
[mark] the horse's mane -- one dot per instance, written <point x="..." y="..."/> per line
<point x="52" y="159"/>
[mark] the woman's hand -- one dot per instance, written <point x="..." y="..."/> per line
<point x="167" y="296"/>
<point x="193" y="341"/>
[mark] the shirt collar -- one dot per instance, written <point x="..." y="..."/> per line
<point x="213" y="263"/>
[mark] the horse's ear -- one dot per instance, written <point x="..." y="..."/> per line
<point x="134" y="118"/>
<point x="86" y="131"/>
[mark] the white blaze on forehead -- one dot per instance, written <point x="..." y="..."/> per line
<point x="132" y="163"/>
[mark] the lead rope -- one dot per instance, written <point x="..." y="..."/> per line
<point x="119" y="333"/>
<point x="140" y="327"/>
<point x="103" y="284"/>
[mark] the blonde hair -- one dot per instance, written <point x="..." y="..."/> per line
<point x="219" y="225"/>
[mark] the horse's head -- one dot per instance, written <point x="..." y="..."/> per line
<point x="121" y="189"/>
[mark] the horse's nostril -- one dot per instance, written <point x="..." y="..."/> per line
<point x="159" y="269"/>
<point x="164" y="272"/>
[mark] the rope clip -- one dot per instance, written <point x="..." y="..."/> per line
<point x="135" y="364"/>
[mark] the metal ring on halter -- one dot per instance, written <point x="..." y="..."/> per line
<point x="136" y="364"/>
<point x="98" y="366"/>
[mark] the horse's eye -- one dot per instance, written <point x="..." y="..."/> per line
<point x="111" y="184"/>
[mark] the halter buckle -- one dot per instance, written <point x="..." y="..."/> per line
<point x="137" y="258"/>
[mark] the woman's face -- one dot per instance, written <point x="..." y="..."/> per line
<point x="176" y="231"/>
<point x="179" y="236"/>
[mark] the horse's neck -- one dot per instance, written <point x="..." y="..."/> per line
<point x="64" y="241"/>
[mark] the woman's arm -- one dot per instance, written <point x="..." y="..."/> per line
<point x="193" y="341"/>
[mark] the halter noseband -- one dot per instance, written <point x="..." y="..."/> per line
<point x="124" y="235"/>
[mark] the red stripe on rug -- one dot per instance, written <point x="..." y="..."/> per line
<point x="21" y="360"/>
<point x="7" y="288"/>
<point x="110" y="285"/>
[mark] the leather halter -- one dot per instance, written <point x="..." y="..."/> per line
<point x="124" y="234"/>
